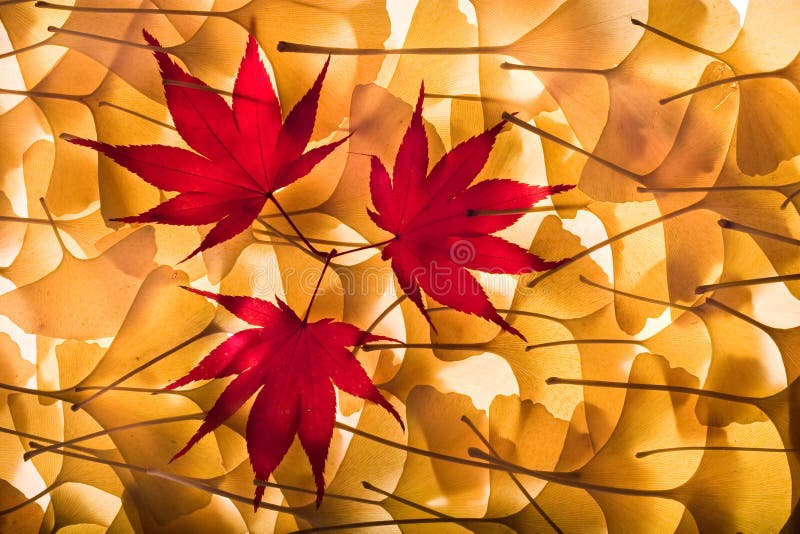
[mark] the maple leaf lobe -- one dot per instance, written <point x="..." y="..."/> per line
<point x="240" y="155"/>
<point x="295" y="365"/>
<point x="443" y="225"/>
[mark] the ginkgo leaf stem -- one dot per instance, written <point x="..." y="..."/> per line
<point x="23" y="49"/>
<point x="75" y="33"/>
<point x="736" y="313"/>
<point x="676" y="40"/>
<point x="284" y="46"/>
<point x="385" y="313"/>
<point x="747" y="282"/>
<point x="30" y="500"/>
<point x="568" y="479"/>
<point x="212" y="328"/>
<point x="597" y="246"/>
<point x="532" y="209"/>
<point x="592" y="283"/>
<point x="44" y="94"/>
<point x="583" y="342"/>
<point x="739" y="78"/>
<point x="53" y="225"/>
<point x="407" y="502"/>
<point x="58" y="395"/>
<point x="713" y="188"/>
<point x="442" y="346"/>
<point x="30" y="220"/>
<point x="185" y="481"/>
<point x="297" y="489"/>
<point x="395" y="522"/>
<point x="198" y="87"/>
<point x="730" y="225"/>
<point x="467" y="421"/>
<point x="152" y="391"/>
<point x="468" y="98"/>
<point x="106" y="431"/>
<point x="118" y="10"/>
<point x="742" y="399"/>
<point x="103" y="103"/>
<point x="297" y="231"/>
<point x="566" y="144"/>
<point x="644" y="454"/>
<point x="328" y="258"/>
<point x="289" y="239"/>
<point x="534" y="68"/>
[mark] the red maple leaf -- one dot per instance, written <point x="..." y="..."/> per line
<point x="297" y="363"/>
<point x="438" y="221"/>
<point x="243" y="155"/>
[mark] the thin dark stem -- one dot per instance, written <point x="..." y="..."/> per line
<point x="748" y="282"/>
<point x="30" y="500"/>
<point x="407" y="502"/>
<point x="297" y="489"/>
<point x="323" y="241"/>
<point x="185" y="481"/>
<point x="18" y="51"/>
<point x="297" y="231"/>
<point x="675" y="40"/>
<point x="380" y="318"/>
<point x="534" y="68"/>
<point x="442" y="346"/>
<point x="106" y="431"/>
<point x="637" y="297"/>
<point x="210" y="329"/>
<point x="466" y="420"/>
<point x="583" y="342"/>
<point x="284" y="46"/>
<point x="199" y="87"/>
<point x="566" y="144"/>
<point x="294" y="241"/>
<point x="643" y="454"/>
<point x="44" y="94"/>
<point x="365" y="247"/>
<point x="712" y="188"/>
<point x="58" y="395"/>
<point x="730" y="225"/>
<point x="53" y="225"/>
<point x="392" y="522"/>
<point x="29" y="220"/>
<point x="56" y="29"/>
<point x="740" y="78"/>
<point x="653" y="387"/>
<point x="736" y="313"/>
<point x="103" y="103"/>
<point x="118" y="10"/>
<point x="330" y="255"/>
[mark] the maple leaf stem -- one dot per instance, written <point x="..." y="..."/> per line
<point x="328" y="259"/>
<point x="290" y="239"/>
<point x="185" y="481"/>
<point x="117" y="10"/>
<point x="592" y="283"/>
<point x="206" y="88"/>
<point x="300" y="48"/>
<point x="739" y="78"/>
<point x="625" y="233"/>
<point x="56" y="29"/>
<point x="289" y="220"/>
<point x="742" y="399"/>
<point x="566" y="144"/>
<point x="103" y="103"/>
<point x="467" y="421"/>
<point x="408" y="502"/>
<point x="747" y="282"/>
<point x="106" y="431"/>
<point x="210" y="329"/>
<point x="676" y="40"/>
<point x="364" y="247"/>
<point x="583" y="342"/>
<point x="731" y="225"/>
<point x="534" y="68"/>
<point x="644" y="454"/>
